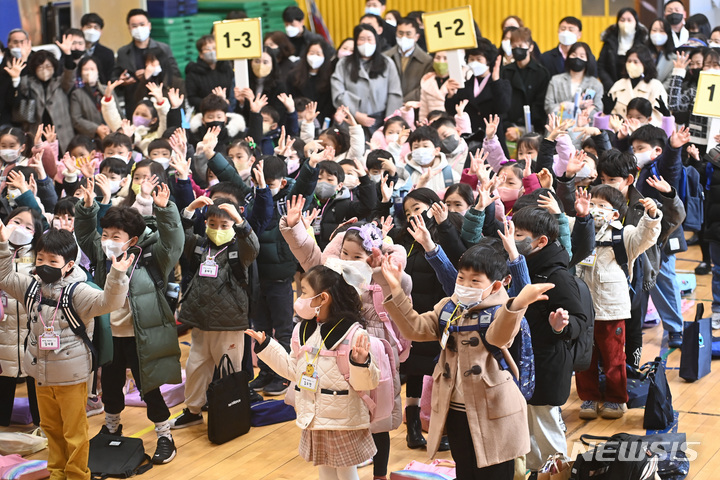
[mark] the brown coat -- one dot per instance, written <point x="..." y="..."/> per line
<point x="496" y="410"/>
<point x="419" y="64"/>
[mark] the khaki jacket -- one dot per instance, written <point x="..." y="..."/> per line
<point x="496" y="410"/>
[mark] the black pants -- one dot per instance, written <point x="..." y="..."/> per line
<point x="421" y="362"/>
<point x="380" y="460"/>
<point x="113" y="380"/>
<point x="463" y="452"/>
<point x="7" y="396"/>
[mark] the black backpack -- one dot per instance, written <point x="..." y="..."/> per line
<point x="581" y="348"/>
<point x="622" y="456"/>
<point x="116" y="456"/>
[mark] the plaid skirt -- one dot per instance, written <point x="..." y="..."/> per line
<point x="337" y="448"/>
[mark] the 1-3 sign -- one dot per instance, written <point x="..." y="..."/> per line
<point x="238" y="39"/>
<point x="450" y="29"/>
<point x="707" y="98"/>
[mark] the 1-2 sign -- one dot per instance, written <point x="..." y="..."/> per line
<point x="238" y="39"/>
<point x="450" y="29"/>
<point x="707" y="98"/>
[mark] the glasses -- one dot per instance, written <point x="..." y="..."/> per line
<point x="600" y="207"/>
<point x="46" y="68"/>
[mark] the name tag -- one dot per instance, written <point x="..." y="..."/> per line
<point x="3" y="299"/>
<point x="444" y="338"/>
<point x="316" y="226"/>
<point x="309" y="383"/>
<point x="208" y="269"/>
<point x="49" y="341"/>
<point x="589" y="261"/>
<point x="485" y="319"/>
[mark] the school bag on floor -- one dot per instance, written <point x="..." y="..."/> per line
<point x="658" y="409"/>
<point x="116" y="456"/>
<point x="381" y="399"/>
<point x="228" y="398"/>
<point x="696" y="350"/>
<point x="270" y="412"/>
<point x="622" y="456"/>
<point x="14" y="467"/>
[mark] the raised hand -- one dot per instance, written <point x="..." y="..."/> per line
<point x="582" y="203"/>
<point x="386" y="224"/>
<point x="418" y="230"/>
<point x="176" y="100"/>
<point x="287" y="101"/>
<point x="162" y="196"/>
<point x="38" y="134"/>
<point x="386" y="188"/>
<point x="549" y="203"/>
<point x="508" y="240"/>
<point x="50" y="134"/>
<point x="37" y="165"/>
<point x="87" y="166"/>
<point x="682" y="60"/>
<point x="178" y="142"/>
<point x="496" y="69"/>
<point x="439" y="211"/>
<point x="111" y="86"/>
<point x="485" y="195"/>
<point x="392" y="271"/>
<point x="210" y="141"/>
<point x="545" y="178"/>
<point x="127" y="127"/>
<point x="259" y="337"/>
<point x="88" y="192"/>
<point x="65" y="45"/>
<point x="460" y="107"/>
<point x="181" y="166"/>
<point x="680" y="137"/>
<point x="308" y="217"/>
<point x="259" y="174"/>
<point x="6" y="231"/>
<point x="693" y="152"/>
<point x="310" y="113"/>
<point x="361" y="350"/>
<point x="123" y="263"/>
<point x="15" y="67"/>
<point x="199" y="202"/>
<point x="104" y="184"/>
<point x="155" y="90"/>
<point x="350" y="119"/>
<point x="294" y="210"/>
<point x="148" y="185"/>
<point x="576" y="163"/>
<point x="70" y="163"/>
<point x="659" y="184"/>
<point x="650" y="207"/>
<point x="257" y="103"/>
<point x="220" y="92"/>
<point x="530" y="294"/>
<point x="491" y="126"/>
<point x="427" y="174"/>
<point x="16" y="179"/>
<point x="232" y="210"/>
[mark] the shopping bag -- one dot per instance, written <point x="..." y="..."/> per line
<point x="658" y="408"/>
<point x="228" y="398"/>
<point x="696" y="350"/>
<point x="557" y="467"/>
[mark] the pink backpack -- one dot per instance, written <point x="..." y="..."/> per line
<point x="380" y="401"/>
<point x="403" y="344"/>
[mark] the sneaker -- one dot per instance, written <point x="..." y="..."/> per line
<point x="255" y="396"/>
<point x="716" y="320"/>
<point x="276" y="387"/>
<point x="612" y="410"/>
<point x="94" y="406"/>
<point x="165" y="451"/>
<point x="105" y="431"/>
<point x="675" y="339"/>
<point x="444" y="444"/>
<point x="205" y="407"/>
<point x="589" y="410"/>
<point x="693" y="240"/>
<point x="563" y="427"/>
<point x="186" y="419"/>
<point x="262" y="380"/>
<point x="702" y="269"/>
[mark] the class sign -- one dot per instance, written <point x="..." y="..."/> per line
<point x="238" y="39"/>
<point x="452" y="29"/>
<point x="707" y="98"/>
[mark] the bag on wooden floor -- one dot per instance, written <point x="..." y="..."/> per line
<point x="621" y="456"/>
<point x="228" y="398"/>
<point x="21" y="414"/>
<point x="557" y="467"/>
<point x="270" y="412"/>
<point x="444" y="467"/>
<point x="22" y="443"/>
<point x="14" y="467"/>
<point x="673" y="463"/>
<point x="115" y="456"/>
<point x="696" y="347"/>
<point x="658" y="408"/>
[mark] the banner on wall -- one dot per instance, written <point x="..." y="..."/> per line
<point x="317" y="22"/>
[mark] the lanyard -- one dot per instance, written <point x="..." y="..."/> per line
<point x="451" y="320"/>
<point x="134" y="267"/>
<point x="322" y="344"/>
<point x="52" y="325"/>
<point x="211" y="257"/>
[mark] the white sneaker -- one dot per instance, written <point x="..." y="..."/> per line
<point x="716" y="320"/>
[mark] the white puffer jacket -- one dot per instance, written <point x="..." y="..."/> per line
<point x="323" y="410"/>
<point x="13" y="327"/>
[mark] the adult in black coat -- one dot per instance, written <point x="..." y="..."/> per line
<point x="92" y="25"/>
<point x="299" y="36"/>
<point x="528" y="80"/>
<point x="626" y="33"/>
<point x="202" y="76"/>
<point x="569" y="32"/>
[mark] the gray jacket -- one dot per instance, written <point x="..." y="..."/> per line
<point x="560" y="90"/>
<point x="86" y="118"/>
<point x="54" y="99"/>
<point x="72" y="362"/>
<point x="382" y="94"/>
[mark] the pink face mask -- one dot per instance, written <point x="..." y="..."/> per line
<point x="304" y="310"/>
<point x="139" y="121"/>
<point x="508" y="194"/>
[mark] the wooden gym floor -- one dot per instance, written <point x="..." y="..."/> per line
<point x="271" y="452"/>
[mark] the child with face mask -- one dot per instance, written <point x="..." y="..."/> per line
<point x="26" y="227"/>
<point x="426" y="163"/>
<point x="608" y="282"/>
<point x="216" y="302"/>
<point x="144" y="321"/>
<point x="362" y="247"/>
<point x="58" y="357"/>
<point x="479" y="313"/>
<point x="329" y="308"/>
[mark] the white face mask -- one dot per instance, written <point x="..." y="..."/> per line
<point x="373" y="11"/>
<point x="713" y="71"/>
<point x="44" y="75"/>
<point x="714" y="45"/>
<point x="423" y="156"/>
<point x="114" y="186"/>
<point x="376" y="177"/>
<point x="113" y="248"/>
<point x="351" y="181"/>
<point x="20" y="236"/>
<point x="140" y="33"/>
<point x="567" y="38"/>
<point x="158" y="70"/>
<point x="391" y="22"/>
<point x="478" y="68"/>
<point x="367" y="49"/>
<point x="9" y="155"/>
<point x="16" y="52"/>
<point x="468" y="296"/>
<point x="213" y="182"/>
<point x="292" y="31"/>
<point x="506" y="47"/>
<point x="12" y="194"/>
<point x="392" y="137"/>
<point x="315" y="61"/>
<point x="119" y="157"/>
<point x="92" y="35"/>
<point x="643" y="158"/>
<point x="659" y="39"/>
<point x="405" y="44"/>
<point x="164" y="161"/>
<point x="274" y="191"/>
<point x="90" y="78"/>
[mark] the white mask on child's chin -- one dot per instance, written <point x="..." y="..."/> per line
<point x="643" y="158"/>
<point x="468" y="296"/>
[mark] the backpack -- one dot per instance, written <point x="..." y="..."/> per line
<point x="115" y="456"/>
<point x="581" y="348"/>
<point x="101" y="346"/>
<point x="621" y="456"/>
<point x="403" y="344"/>
<point x="380" y="400"/>
<point x="236" y="265"/>
<point x="521" y="349"/>
<point x="692" y="194"/>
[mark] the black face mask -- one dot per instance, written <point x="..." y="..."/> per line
<point x="693" y="74"/>
<point x="576" y="64"/>
<point x="519" y="54"/>
<point x="210" y="125"/>
<point x="273" y="51"/>
<point x="48" y="274"/>
<point x="674" y="18"/>
<point x="76" y="54"/>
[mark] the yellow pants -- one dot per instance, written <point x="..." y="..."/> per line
<point x="63" y="419"/>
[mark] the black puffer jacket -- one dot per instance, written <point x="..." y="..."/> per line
<point x="200" y="80"/>
<point x="610" y="65"/>
<point x="553" y="358"/>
